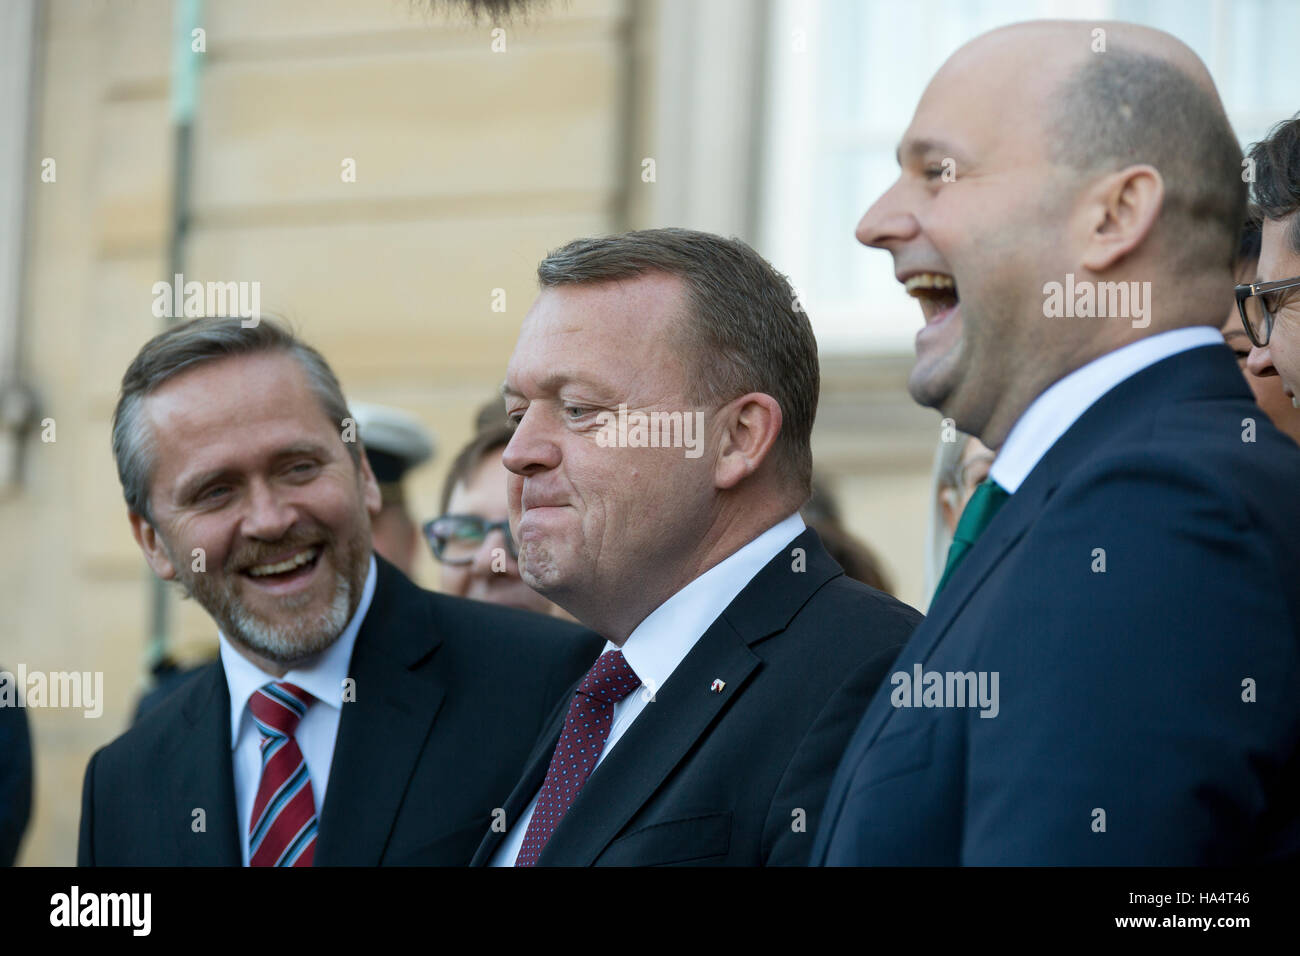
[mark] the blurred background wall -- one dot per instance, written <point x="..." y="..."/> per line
<point x="474" y="153"/>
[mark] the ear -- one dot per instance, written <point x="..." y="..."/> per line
<point x="1123" y="208"/>
<point x="369" y="486"/>
<point x="151" y="544"/>
<point x="750" y="426"/>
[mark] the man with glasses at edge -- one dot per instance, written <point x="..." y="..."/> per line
<point x="1270" y="307"/>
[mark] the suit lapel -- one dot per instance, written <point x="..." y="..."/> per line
<point x="1006" y="529"/>
<point x="686" y="706"/>
<point x="382" y="732"/>
<point x="530" y="782"/>
<point x="663" y="733"/>
<point x="201" y="776"/>
<point x="1193" y="373"/>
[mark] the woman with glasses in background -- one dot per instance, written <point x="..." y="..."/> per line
<point x="471" y="538"/>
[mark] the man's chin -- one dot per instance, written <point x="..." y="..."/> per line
<point x="277" y="641"/>
<point x="935" y="375"/>
<point x="929" y="391"/>
<point x="538" y="583"/>
<point x="279" y="654"/>
<point x="538" y="569"/>
<point x="288" y="635"/>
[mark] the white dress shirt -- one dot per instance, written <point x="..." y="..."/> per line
<point x="1052" y="413"/>
<point x="323" y="679"/>
<point x="666" y="636"/>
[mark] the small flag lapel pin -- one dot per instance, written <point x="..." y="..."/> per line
<point x="718" y="685"/>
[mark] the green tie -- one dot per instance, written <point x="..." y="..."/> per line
<point x="975" y="517"/>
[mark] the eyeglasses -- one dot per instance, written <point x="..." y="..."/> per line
<point x="1258" y="304"/>
<point x="455" y="539"/>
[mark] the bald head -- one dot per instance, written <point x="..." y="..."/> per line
<point x="1044" y="153"/>
<point x="1051" y="49"/>
<point x="1110" y="95"/>
<point x="1153" y="102"/>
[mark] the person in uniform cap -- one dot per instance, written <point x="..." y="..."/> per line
<point x="395" y="442"/>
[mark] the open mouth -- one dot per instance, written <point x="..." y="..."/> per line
<point x="296" y="566"/>
<point x="936" y="292"/>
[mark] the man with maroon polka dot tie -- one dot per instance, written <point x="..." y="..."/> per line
<point x="663" y="390"/>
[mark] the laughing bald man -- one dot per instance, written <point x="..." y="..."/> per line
<point x="1084" y="691"/>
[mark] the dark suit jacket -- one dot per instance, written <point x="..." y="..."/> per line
<point x="1121" y="692"/>
<point x="15" y="779"/>
<point x="450" y="695"/>
<point x="738" y="777"/>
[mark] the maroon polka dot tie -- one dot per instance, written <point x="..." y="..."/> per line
<point x="586" y="728"/>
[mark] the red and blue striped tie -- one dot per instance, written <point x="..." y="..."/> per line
<point x="282" y="827"/>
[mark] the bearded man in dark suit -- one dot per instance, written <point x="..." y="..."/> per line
<point x="352" y="718"/>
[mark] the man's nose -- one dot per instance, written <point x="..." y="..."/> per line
<point x="1260" y="362"/>
<point x="268" y="515"/>
<point x="888" y="221"/>
<point x="531" y="448"/>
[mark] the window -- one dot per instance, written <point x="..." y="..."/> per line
<point x="845" y="77"/>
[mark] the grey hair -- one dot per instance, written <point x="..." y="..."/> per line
<point x="189" y="345"/>
<point x="746" y="331"/>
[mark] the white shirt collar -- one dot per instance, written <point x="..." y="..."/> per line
<point x="1052" y="413"/>
<point x="668" y="633"/>
<point x="322" y="678"/>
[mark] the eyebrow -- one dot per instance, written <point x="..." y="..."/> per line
<point x="556" y="381"/>
<point x="193" y="486"/>
<point x="915" y="148"/>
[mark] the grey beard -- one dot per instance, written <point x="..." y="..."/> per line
<point x="287" y="645"/>
<point x="296" y="642"/>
